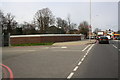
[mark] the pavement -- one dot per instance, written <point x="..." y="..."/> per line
<point x="76" y="59"/>
<point x="82" y="42"/>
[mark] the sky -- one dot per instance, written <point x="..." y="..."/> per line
<point x="59" y="0"/>
<point x="104" y="15"/>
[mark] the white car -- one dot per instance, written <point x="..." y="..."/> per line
<point x="108" y="37"/>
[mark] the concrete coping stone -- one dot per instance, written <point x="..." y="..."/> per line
<point x="42" y="35"/>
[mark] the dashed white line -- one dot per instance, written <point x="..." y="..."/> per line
<point x="75" y="69"/>
<point x="85" y="48"/>
<point x="59" y="47"/>
<point x="64" y="47"/>
<point x="82" y="59"/>
<point x="79" y="63"/>
<point x="84" y="56"/>
<point x="71" y="74"/>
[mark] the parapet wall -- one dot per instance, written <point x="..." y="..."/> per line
<point x="23" y="39"/>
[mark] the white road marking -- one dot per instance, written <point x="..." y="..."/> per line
<point x="64" y="47"/>
<point x="59" y="47"/>
<point x="71" y="74"/>
<point x="90" y="48"/>
<point x="84" y="56"/>
<point x="75" y="68"/>
<point x="85" y="48"/>
<point x="79" y="63"/>
<point x="114" y="46"/>
<point x="82" y="59"/>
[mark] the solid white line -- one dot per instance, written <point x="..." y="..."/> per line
<point x="75" y="68"/>
<point x="90" y="48"/>
<point x="114" y="46"/>
<point x="71" y="74"/>
<point x="85" y="48"/>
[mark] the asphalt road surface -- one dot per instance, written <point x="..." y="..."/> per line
<point x="71" y="61"/>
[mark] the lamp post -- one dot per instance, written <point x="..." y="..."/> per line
<point x="90" y="23"/>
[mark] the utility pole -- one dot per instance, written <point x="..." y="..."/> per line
<point x="90" y="23"/>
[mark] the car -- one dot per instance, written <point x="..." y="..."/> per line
<point x="115" y="38"/>
<point x="103" y="39"/>
<point x="97" y="38"/>
<point x="108" y="37"/>
<point x="118" y="38"/>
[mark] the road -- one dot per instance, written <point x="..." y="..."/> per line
<point x="71" y="61"/>
<point x="100" y="63"/>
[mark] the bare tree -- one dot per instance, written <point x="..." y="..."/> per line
<point x="62" y="24"/>
<point x="1" y="16"/>
<point x="10" y="22"/>
<point x="73" y="25"/>
<point x="1" y="20"/>
<point x="28" y="28"/>
<point x="44" y="18"/>
<point x="96" y="30"/>
<point x="59" y="22"/>
<point x="7" y="22"/>
<point x="84" y="28"/>
<point x="69" y="23"/>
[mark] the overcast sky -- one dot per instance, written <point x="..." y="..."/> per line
<point x="104" y="14"/>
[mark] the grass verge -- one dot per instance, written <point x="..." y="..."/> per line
<point x="32" y="44"/>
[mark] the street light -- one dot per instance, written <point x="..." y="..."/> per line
<point x="90" y="22"/>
